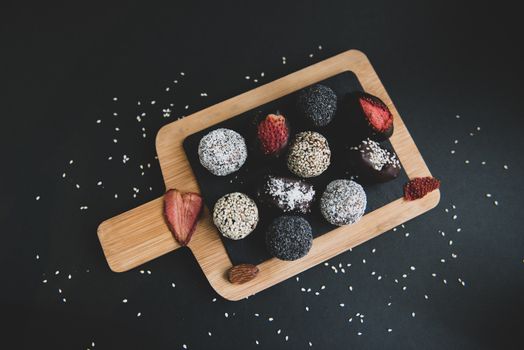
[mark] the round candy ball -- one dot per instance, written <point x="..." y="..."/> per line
<point x="343" y="202"/>
<point x="235" y="215"/>
<point x="318" y="103"/>
<point x="289" y="237"/>
<point x="309" y="154"/>
<point x="222" y="151"/>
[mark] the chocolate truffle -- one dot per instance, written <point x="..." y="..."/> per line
<point x="287" y="194"/>
<point x="374" y="163"/>
<point x="222" y="151"/>
<point x="235" y="215"/>
<point x="318" y="104"/>
<point x="373" y="116"/>
<point x="289" y="237"/>
<point x="309" y="154"/>
<point x="343" y="202"/>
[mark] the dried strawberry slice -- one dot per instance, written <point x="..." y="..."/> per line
<point x="420" y="186"/>
<point x="182" y="211"/>
<point x="273" y="134"/>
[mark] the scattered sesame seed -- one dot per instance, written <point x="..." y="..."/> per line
<point x="496" y="202"/>
<point x="139" y="314"/>
<point x="98" y="121"/>
<point x="226" y="314"/>
<point x="390" y="330"/>
<point x="124" y="301"/>
<point x="412" y="314"/>
<point x="37" y="198"/>
<point x="247" y="77"/>
<point x="412" y="268"/>
<point x="115" y="98"/>
<point x="466" y="161"/>
<point x="506" y="167"/>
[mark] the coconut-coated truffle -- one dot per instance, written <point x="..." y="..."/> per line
<point x="235" y="215"/>
<point x="318" y="103"/>
<point x="289" y="237"/>
<point x="309" y="154"/>
<point x="343" y="202"/>
<point x="222" y="151"/>
<point x="287" y="194"/>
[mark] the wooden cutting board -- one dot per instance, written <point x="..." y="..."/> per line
<point x="141" y="234"/>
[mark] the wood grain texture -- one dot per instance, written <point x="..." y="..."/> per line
<point x="141" y="234"/>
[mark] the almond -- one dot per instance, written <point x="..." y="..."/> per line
<point x="242" y="273"/>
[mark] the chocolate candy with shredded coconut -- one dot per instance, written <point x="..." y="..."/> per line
<point x="289" y="237"/>
<point x="235" y="215"/>
<point x="343" y="202"/>
<point x="309" y="154"/>
<point x="318" y="103"/>
<point x="374" y="163"/>
<point x="287" y="194"/>
<point x="222" y="151"/>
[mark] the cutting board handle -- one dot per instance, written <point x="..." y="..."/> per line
<point x="136" y="236"/>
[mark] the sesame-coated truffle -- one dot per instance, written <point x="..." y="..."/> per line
<point x="222" y="151"/>
<point x="235" y="215"/>
<point x="343" y="202"/>
<point x="318" y="104"/>
<point x="374" y="163"/>
<point x="309" y="154"/>
<point x="289" y="237"/>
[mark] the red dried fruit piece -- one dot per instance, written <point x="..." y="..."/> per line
<point x="182" y="211"/>
<point x="273" y="134"/>
<point x="420" y="186"/>
<point x="377" y="114"/>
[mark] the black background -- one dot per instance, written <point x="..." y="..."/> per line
<point x="61" y="66"/>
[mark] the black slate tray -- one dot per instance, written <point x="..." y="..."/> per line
<point x="252" y="248"/>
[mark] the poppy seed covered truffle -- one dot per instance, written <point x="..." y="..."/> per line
<point x="222" y="151"/>
<point x="318" y="103"/>
<point x="289" y="237"/>
<point x="343" y="202"/>
<point x="309" y="154"/>
<point x="235" y="215"/>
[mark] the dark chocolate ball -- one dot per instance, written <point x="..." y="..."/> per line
<point x="287" y="194"/>
<point x="289" y="237"/>
<point x="374" y="163"/>
<point x="318" y="103"/>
